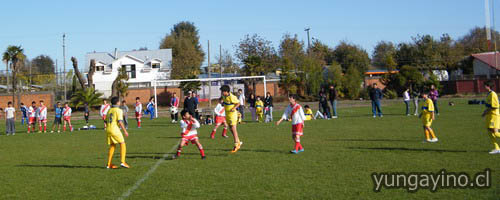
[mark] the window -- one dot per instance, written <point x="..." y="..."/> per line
<point x="155" y="65"/>
<point x="130" y="69"/>
<point x="99" y="68"/>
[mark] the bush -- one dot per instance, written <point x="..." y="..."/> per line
<point x="364" y="94"/>
<point x="390" y="94"/>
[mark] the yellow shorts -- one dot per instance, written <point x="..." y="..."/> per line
<point x="427" y="121"/>
<point x="232" y="118"/>
<point x="115" y="138"/>
<point x="492" y="121"/>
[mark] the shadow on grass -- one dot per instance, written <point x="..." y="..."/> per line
<point x="64" y="166"/>
<point x="408" y="149"/>
<point x="371" y="140"/>
<point x="250" y="150"/>
<point x="170" y="137"/>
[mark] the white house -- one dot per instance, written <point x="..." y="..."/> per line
<point x="142" y="67"/>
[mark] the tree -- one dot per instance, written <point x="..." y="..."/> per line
<point x="352" y="82"/>
<point x="334" y="75"/>
<point x="14" y="55"/>
<point x="90" y="75"/>
<point x="347" y="55"/>
<point x="119" y="87"/>
<point x="324" y="52"/>
<point x="186" y="50"/>
<point x="257" y="55"/>
<point x="476" y="42"/>
<point x="383" y="55"/>
<point x="408" y="76"/>
<point x="43" y="64"/>
<point x="78" y="74"/>
<point x="227" y="62"/>
<point x="88" y="95"/>
<point x="191" y="85"/>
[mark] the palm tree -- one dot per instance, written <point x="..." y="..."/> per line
<point x="16" y="57"/>
<point x="119" y="88"/>
<point x="88" y="95"/>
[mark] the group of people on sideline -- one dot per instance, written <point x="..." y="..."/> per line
<point x="410" y="95"/>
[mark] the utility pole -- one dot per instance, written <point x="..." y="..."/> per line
<point x="220" y="60"/>
<point x="209" y="76"/>
<point x="64" y="65"/>
<point x="56" y="79"/>
<point x="308" y="39"/>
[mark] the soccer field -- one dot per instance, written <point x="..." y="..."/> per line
<point x="340" y="156"/>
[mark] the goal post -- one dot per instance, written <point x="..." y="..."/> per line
<point x="160" y="83"/>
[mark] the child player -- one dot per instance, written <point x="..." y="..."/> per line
<point x="231" y="103"/>
<point x="296" y="114"/>
<point x="114" y="121"/>
<point x="220" y="118"/>
<point x="24" y="111"/>
<point x="42" y="117"/>
<point x="189" y="134"/>
<point x="58" y="115"/>
<point x="86" y="113"/>
<point x="104" y="110"/>
<point x="427" y="116"/>
<point x="67" y="117"/>
<point x="31" y="116"/>
<point x="259" y="109"/>
<point x="308" y="113"/>
<point x="491" y="113"/>
<point x="138" y="111"/>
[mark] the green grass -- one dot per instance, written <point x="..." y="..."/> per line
<point x="340" y="156"/>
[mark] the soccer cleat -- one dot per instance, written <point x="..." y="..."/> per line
<point x="237" y="147"/>
<point x="125" y="165"/>
<point x="174" y="157"/>
<point x="434" y="140"/>
<point x="39" y="131"/>
<point x="301" y="150"/>
<point x="374" y="116"/>
<point x="495" y="151"/>
<point x="203" y="157"/>
<point x="294" y="152"/>
<point x="225" y="136"/>
<point x="51" y="131"/>
<point x="111" y="167"/>
<point x="58" y="131"/>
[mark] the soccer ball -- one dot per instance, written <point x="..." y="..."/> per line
<point x="174" y="110"/>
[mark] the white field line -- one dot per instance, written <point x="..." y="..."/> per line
<point x="146" y="176"/>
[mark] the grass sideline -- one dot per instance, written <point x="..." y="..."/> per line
<point x="340" y="156"/>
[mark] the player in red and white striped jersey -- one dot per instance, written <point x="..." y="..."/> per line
<point x="67" y="117"/>
<point x="42" y="117"/>
<point x="295" y="113"/>
<point x="104" y="110"/>
<point x="189" y="134"/>
<point x="32" y="116"/>
<point x="138" y="111"/>
<point x="220" y="118"/>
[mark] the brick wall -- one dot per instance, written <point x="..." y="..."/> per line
<point x="272" y="87"/>
<point x="467" y="86"/>
<point x="47" y="97"/>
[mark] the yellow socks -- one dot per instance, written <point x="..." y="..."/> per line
<point x="432" y="133"/>
<point x="497" y="134"/>
<point x="110" y="153"/>
<point x="123" y="152"/>
<point x="494" y="141"/>
<point x="427" y="134"/>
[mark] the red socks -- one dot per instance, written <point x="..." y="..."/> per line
<point x="224" y="132"/>
<point x="139" y="123"/>
<point x="45" y="128"/>
<point x="202" y="152"/>
<point x="298" y="146"/>
<point x="64" y="128"/>
<point x="212" y="135"/>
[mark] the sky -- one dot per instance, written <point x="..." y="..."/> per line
<point x="102" y="26"/>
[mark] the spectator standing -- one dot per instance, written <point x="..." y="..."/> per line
<point x="406" y="99"/>
<point x="189" y="103"/>
<point x="433" y="95"/>
<point x="323" y="101"/>
<point x="376" y="95"/>
<point x="10" y="119"/>
<point x="174" y="108"/>
<point x="124" y="108"/>
<point x="251" y="105"/>
<point x="268" y="105"/>
<point x="332" y="95"/>
<point x="241" y="98"/>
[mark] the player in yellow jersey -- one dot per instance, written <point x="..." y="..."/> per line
<point x="427" y="116"/>
<point x="231" y="104"/>
<point x="114" y="121"/>
<point x="308" y="112"/>
<point x="491" y="113"/>
<point x="259" y="105"/>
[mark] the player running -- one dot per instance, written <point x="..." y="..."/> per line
<point x="189" y="134"/>
<point x="295" y="112"/>
<point x="231" y="103"/>
<point x="114" y="121"/>
<point x="491" y="113"/>
<point x="42" y="117"/>
<point x="220" y="118"/>
<point x="104" y="110"/>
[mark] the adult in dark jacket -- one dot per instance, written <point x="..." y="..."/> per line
<point x="251" y="105"/>
<point x="268" y="103"/>
<point x="323" y="102"/>
<point x="190" y="103"/>
<point x="376" y="95"/>
<point x="332" y="96"/>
